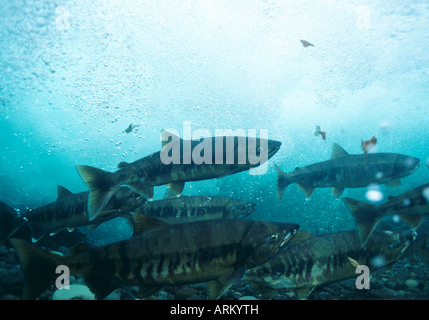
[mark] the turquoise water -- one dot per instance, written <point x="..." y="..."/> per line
<point x="75" y="74"/>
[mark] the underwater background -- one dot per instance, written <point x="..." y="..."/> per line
<point x="75" y="74"/>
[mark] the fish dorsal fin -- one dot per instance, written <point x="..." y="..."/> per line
<point x="165" y="135"/>
<point x="63" y="192"/>
<point x="122" y="164"/>
<point x="338" y="152"/>
<point x="143" y="224"/>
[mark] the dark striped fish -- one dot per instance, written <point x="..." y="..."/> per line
<point x="189" y="209"/>
<point x="324" y="259"/>
<point x="345" y="170"/>
<point x="411" y="206"/>
<point x="227" y="156"/>
<point x="159" y="254"/>
<point x="67" y="212"/>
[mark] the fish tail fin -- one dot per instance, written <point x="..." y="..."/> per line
<point x="38" y="267"/>
<point x="282" y="182"/>
<point x="101" y="188"/>
<point x="9" y="221"/>
<point x="364" y="216"/>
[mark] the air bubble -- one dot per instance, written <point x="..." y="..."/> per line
<point x="374" y="194"/>
<point x="385" y="125"/>
<point x="406" y="202"/>
<point x="378" y="261"/>
<point x="379" y="175"/>
<point x="426" y="194"/>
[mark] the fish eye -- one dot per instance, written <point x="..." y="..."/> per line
<point x="274" y="237"/>
<point x="260" y="149"/>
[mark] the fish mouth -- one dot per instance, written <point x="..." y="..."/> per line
<point x="288" y="237"/>
<point x="251" y="207"/>
<point x="274" y="149"/>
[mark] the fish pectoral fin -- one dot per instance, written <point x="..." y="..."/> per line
<point x="147" y="290"/>
<point x="100" y="284"/>
<point x="143" y="224"/>
<point x="338" y="152"/>
<point x="143" y="189"/>
<point x="265" y="292"/>
<point x="337" y="192"/>
<point x="307" y="190"/>
<point x="174" y="189"/>
<point x="394" y="183"/>
<point x="303" y="292"/>
<point x="217" y="287"/>
<point x="412" y="220"/>
<point x="353" y="262"/>
<point x="37" y="233"/>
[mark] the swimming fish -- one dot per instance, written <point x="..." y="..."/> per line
<point x="411" y="206"/>
<point x="160" y="254"/>
<point x="194" y="208"/>
<point x="306" y="44"/>
<point x="318" y="132"/>
<point x="324" y="259"/>
<point x="346" y="170"/>
<point x="67" y="212"/>
<point x="143" y="174"/>
<point x="130" y="128"/>
<point x="368" y="146"/>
